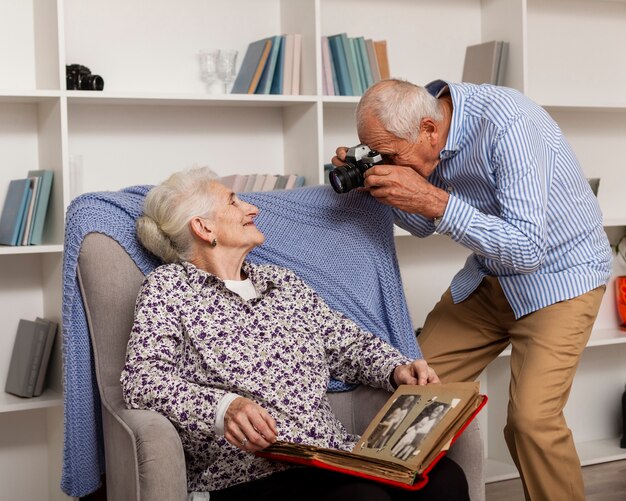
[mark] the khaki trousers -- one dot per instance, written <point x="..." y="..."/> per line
<point x="459" y="341"/>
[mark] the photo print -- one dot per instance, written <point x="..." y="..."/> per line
<point x="409" y="443"/>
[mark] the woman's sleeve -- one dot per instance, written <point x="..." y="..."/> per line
<point x="353" y="354"/>
<point x="152" y="377"/>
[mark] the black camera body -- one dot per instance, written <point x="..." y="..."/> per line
<point x="79" y="77"/>
<point x="359" y="158"/>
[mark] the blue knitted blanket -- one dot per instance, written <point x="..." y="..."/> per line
<point x="341" y="245"/>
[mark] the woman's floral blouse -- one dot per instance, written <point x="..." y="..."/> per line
<point x="193" y="341"/>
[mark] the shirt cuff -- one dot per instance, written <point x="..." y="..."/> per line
<point x="222" y="407"/>
<point x="456" y="219"/>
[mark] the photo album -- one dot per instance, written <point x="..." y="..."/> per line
<point x="404" y="441"/>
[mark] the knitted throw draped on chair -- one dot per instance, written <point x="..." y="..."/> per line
<point x="341" y="245"/>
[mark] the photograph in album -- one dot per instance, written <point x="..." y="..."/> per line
<point x="403" y="442"/>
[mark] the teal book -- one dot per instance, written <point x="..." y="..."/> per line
<point x="348" y="47"/>
<point x="15" y="205"/>
<point x="277" y="81"/>
<point x="253" y="62"/>
<point x="360" y="71"/>
<point x="341" y="65"/>
<point x="368" y="78"/>
<point x="41" y="204"/>
<point x="265" y="84"/>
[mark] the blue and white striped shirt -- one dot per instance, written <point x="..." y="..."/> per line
<point x="518" y="199"/>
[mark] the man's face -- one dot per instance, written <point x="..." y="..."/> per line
<point x="421" y="156"/>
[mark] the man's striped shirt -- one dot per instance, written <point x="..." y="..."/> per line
<point x="518" y="199"/>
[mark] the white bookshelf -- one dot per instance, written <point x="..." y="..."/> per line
<point x="154" y="117"/>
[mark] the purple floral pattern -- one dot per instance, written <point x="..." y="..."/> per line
<point x="193" y="341"/>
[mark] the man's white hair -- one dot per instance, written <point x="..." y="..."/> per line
<point x="400" y="106"/>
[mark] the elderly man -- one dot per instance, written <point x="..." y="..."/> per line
<point x="490" y="169"/>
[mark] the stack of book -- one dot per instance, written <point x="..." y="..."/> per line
<point x="30" y="357"/>
<point x="271" y="66"/>
<point x="351" y="65"/>
<point x="24" y="211"/>
<point x="241" y="183"/>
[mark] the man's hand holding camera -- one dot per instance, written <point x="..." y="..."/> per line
<point x="401" y="187"/>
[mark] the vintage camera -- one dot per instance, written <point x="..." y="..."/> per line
<point x="79" y="77"/>
<point x="358" y="159"/>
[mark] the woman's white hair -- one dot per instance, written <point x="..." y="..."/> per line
<point x="400" y="107"/>
<point x="164" y="227"/>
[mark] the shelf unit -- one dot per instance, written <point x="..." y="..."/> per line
<point x="154" y="117"/>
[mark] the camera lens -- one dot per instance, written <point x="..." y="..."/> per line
<point x="92" y="82"/>
<point x="345" y="179"/>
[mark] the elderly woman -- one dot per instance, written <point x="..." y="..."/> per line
<point x="237" y="355"/>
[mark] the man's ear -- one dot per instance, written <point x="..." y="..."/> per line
<point x="429" y="130"/>
<point x="201" y="229"/>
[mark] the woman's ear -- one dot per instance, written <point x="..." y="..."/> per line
<point x="201" y="229"/>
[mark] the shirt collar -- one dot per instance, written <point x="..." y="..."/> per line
<point x="454" y="142"/>
<point x="199" y="278"/>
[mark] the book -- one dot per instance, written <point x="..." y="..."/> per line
<point x="281" y="181"/>
<point x="45" y="358"/>
<point x="41" y="204"/>
<point x="297" y="63"/>
<point x="265" y="83"/>
<point x="269" y="182"/>
<point x="380" y="47"/>
<point x="235" y="182"/>
<point x="259" y="180"/>
<point x="249" y="74"/>
<point x="371" y="54"/>
<point x="327" y="69"/>
<point x="30" y="211"/>
<point x="29" y="196"/>
<point x="364" y="62"/>
<point x="26" y="357"/>
<point x="340" y="65"/>
<point x="288" y="64"/>
<point x="15" y="205"/>
<point x="277" y="80"/>
<point x="353" y="72"/>
<point x="250" y="182"/>
<point x="290" y="181"/>
<point x="485" y="63"/>
<point x="404" y="441"/>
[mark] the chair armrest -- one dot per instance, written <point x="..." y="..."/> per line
<point x="144" y="455"/>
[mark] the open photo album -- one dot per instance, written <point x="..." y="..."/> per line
<point x="403" y="442"/>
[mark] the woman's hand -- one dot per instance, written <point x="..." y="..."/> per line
<point x="417" y="372"/>
<point x="248" y="426"/>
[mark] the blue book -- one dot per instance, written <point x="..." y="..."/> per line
<point x="15" y="206"/>
<point x="348" y="47"/>
<point x="253" y="62"/>
<point x="340" y="64"/>
<point x="368" y="78"/>
<point x="41" y="204"/>
<point x="29" y="196"/>
<point x="277" y="81"/>
<point x="265" y="84"/>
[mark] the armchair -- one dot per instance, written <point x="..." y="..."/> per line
<point x="144" y="459"/>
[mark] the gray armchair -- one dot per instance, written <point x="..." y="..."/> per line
<point x="144" y="456"/>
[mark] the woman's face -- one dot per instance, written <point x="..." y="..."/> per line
<point x="232" y="220"/>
